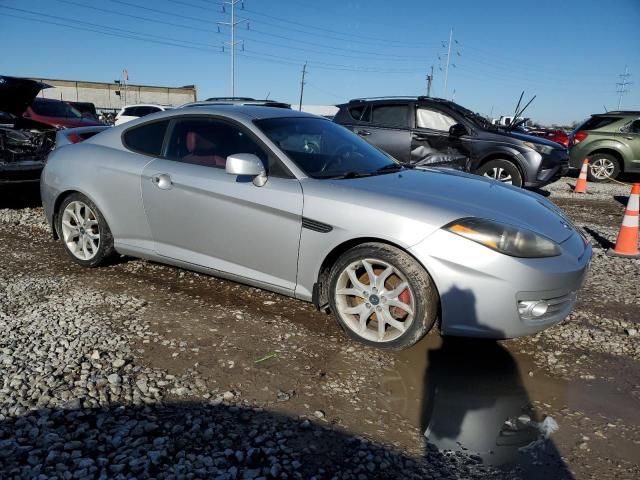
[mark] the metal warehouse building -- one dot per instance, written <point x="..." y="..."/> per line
<point x="111" y="96"/>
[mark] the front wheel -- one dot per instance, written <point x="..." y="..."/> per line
<point x="382" y="297"/>
<point x="84" y="231"/>
<point x="501" y="170"/>
<point x="602" y="167"/>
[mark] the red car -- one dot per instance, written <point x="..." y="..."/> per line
<point x="558" y="136"/>
<point x="57" y="113"/>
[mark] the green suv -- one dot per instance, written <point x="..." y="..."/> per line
<point x="611" y="142"/>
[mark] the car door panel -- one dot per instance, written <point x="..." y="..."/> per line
<point x="204" y="216"/>
<point x="432" y="145"/>
<point x="396" y="142"/>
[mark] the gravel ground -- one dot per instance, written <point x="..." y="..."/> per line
<point x="139" y="370"/>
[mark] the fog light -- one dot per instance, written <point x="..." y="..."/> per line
<point x="532" y="308"/>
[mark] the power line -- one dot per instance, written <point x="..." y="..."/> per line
<point x="78" y="25"/>
<point x="232" y="26"/>
<point x="302" y="82"/>
<point x="622" y="85"/>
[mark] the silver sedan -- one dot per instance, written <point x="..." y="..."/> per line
<point x="298" y="205"/>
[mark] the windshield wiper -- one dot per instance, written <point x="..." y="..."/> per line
<point x="391" y="167"/>
<point x="346" y="175"/>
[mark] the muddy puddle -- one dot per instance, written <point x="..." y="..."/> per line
<point x="484" y="399"/>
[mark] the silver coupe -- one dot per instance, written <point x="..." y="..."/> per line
<point x="298" y="205"/>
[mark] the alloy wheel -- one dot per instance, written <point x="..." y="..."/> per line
<point x="500" y="174"/>
<point x="374" y="300"/>
<point x="602" y="168"/>
<point x="80" y="230"/>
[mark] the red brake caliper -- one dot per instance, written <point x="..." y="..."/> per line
<point x="404" y="297"/>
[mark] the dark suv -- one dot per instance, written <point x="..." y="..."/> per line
<point x="426" y="131"/>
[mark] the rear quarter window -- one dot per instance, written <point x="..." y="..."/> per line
<point x="361" y="113"/>
<point x="594" y="123"/>
<point x="146" y="139"/>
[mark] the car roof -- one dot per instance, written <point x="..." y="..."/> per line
<point x="620" y="113"/>
<point x="236" y="112"/>
<point x="148" y="105"/>
<point x="235" y="101"/>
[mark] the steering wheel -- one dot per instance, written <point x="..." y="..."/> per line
<point x="341" y="154"/>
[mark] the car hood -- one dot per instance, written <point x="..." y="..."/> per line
<point x="68" y="122"/>
<point x="16" y="94"/>
<point x="438" y="196"/>
<point x="530" y="138"/>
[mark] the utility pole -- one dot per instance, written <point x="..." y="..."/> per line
<point x="622" y="85"/>
<point x="302" y="82"/>
<point x="232" y="25"/>
<point x="429" y="80"/>
<point x="446" y="70"/>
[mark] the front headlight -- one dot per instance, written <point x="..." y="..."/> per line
<point x="507" y="239"/>
<point x="538" y="147"/>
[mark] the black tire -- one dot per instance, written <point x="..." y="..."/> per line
<point x="105" y="247"/>
<point x="492" y="168"/>
<point x="421" y="287"/>
<point x="604" y="163"/>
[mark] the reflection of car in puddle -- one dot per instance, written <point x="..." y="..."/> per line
<point x="472" y="399"/>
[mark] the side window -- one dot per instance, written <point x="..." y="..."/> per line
<point x="361" y="113"/>
<point x="208" y="142"/>
<point x="147" y="138"/>
<point x="433" y="120"/>
<point x="635" y="126"/>
<point x="391" y="115"/>
<point x="142" y="111"/>
<point x="130" y="112"/>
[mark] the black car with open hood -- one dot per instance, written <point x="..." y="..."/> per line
<point x="24" y="143"/>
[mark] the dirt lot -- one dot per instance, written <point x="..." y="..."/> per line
<point x="141" y="370"/>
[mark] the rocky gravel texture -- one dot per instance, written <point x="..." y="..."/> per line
<point x="138" y="370"/>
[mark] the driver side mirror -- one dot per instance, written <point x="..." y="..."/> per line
<point x="247" y="164"/>
<point x="458" y="130"/>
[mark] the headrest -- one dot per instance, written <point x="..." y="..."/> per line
<point x="196" y="143"/>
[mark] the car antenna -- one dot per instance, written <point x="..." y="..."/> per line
<point x="517" y="107"/>
<point x="514" y="124"/>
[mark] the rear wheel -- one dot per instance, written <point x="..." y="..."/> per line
<point x="84" y="232"/>
<point x="382" y="297"/>
<point x="503" y="171"/>
<point x="603" y="167"/>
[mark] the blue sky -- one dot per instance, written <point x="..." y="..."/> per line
<point x="568" y="53"/>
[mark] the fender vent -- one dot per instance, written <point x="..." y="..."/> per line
<point x="316" y="226"/>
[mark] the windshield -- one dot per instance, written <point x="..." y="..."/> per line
<point x="323" y="149"/>
<point x="54" y="108"/>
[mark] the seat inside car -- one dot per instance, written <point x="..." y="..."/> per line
<point x="202" y="151"/>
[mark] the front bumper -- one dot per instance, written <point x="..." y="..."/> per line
<point x="553" y="166"/>
<point x="480" y="289"/>
<point x="21" y="172"/>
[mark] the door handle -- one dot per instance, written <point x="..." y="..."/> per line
<point x="363" y="133"/>
<point x="162" y="181"/>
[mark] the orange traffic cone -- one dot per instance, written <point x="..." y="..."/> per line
<point x="581" y="184"/>
<point x="627" y="242"/>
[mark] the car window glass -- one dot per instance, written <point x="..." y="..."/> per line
<point x="361" y="113"/>
<point x="433" y="120"/>
<point x="147" y="138"/>
<point x="635" y="126"/>
<point x="208" y="142"/>
<point x="391" y="115"/>
<point x="595" y="123"/>
<point x="130" y="112"/>
<point x="323" y="149"/>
